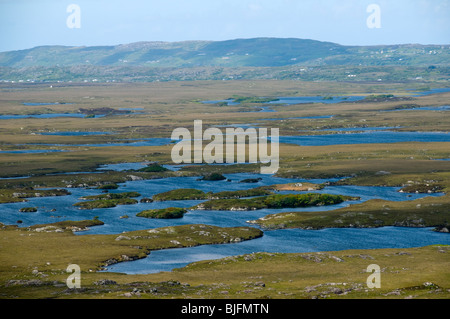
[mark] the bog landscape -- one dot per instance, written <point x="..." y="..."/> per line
<point x="87" y="175"/>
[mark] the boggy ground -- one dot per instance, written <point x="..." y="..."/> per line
<point x="34" y="261"/>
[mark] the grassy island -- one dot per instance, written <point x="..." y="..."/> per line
<point x="164" y="213"/>
<point x="108" y="200"/>
<point x="273" y="201"/>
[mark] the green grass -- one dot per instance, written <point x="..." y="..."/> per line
<point x="105" y="203"/>
<point x="213" y="177"/>
<point x="153" y="168"/>
<point x="195" y="194"/>
<point x="181" y="194"/>
<point x="21" y="194"/>
<point x="273" y="201"/>
<point x="425" y="212"/>
<point x="112" y="196"/>
<point x="164" y="213"/>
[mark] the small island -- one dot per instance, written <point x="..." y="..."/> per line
<point x="274" y="202"/>
<point x="28" y="210"/>
<point x="108" y="200"/>
<point x="164" y="213"/>
<point x="213" y="177"/>
<point x="195" y="194"/>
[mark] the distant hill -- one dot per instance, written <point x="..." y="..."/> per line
<point x="258" y="52"/>
<point x="259" y="58"/>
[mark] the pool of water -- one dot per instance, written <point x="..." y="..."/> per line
<point x="53" y="209"/>
<point x="432" y="91"/>
<point x="32" y="151"/>
<point x="422" y="108"/>
<point x="366" y="138"/>
<point x="291" y="100"/>
<point x="287" y="241"/>
<point x="147" y="188"/>
<point x="44" y="103"/>
<point x="41" y="116"/>
<point x="126" y="142"/>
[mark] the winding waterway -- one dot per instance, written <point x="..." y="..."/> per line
<point x="53" y="209"/>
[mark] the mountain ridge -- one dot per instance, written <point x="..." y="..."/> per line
<point x="253" y="52"/>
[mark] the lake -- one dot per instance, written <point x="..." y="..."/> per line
<point x="41" y="116"/>
<point x="53" y="209"/>
<point x="287" y="241"/>
<point x="366" y="138"/>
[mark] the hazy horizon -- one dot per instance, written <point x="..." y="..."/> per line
<point x="181" y="41"/>
<point x="26" y="24"/>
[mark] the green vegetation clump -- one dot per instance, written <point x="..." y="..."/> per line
<point x="250" y="180"/>
<point x="259" y="191"/>
<point x="105" y="203"/>
<point x="213" y="177"/>
<point x="20" y="195"/>
<point x="78" y="225"/>
<point x="273" y="201"/>
<point x="253" y="99"/>
<point x="302" y="200"/>
<point x="164" y="213"/>
<point x="112" y="196"/>
<point x="108" y="186"/>
<point x="195" y="194"/>
<point x="181" y="194"/>
<point x="373" y="213"/>
<point x="28" y="210"/>
<point x="108" y="200"/>
<point x="153" y="168"/>
<point x="378" y="97"/>
<point x="422" y="188"/>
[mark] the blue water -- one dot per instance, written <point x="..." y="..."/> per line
<point x="432" y="91"/>
<point x="287" y="241"/>
<point x="41" y="116"/>
<point x="45" y="103"/>
<point x="9" y="213"/>
<point x="228" y="101"/>
<point x="32" y="151"/>
<point x="422" y="108"/>
<point x="276" y="241"/>
<point x="139" y="142"/>
<point x="290" y="100"/>
<point x="366" y="138"/>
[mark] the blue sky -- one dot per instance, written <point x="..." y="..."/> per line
<point x="29" y="23"/>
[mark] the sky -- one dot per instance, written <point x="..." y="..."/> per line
<point x="28" y="23"/>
